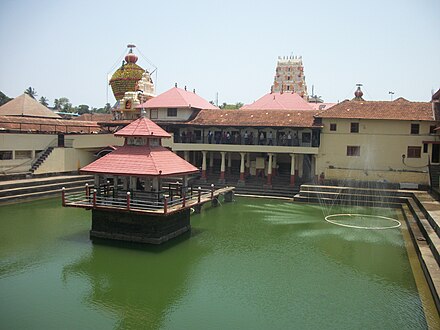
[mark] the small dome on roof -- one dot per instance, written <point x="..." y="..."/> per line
<point x="131" y="57"/>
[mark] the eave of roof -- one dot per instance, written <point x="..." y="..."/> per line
<point x="141" y="161"/>
<point x="399" y="109"/>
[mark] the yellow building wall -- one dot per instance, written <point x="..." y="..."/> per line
<point x="65" y="160"/>
<point x="183" y="114"/>
<point x="382" y="144"/>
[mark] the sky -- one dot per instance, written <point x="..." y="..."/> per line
<point x="69" y="48"/>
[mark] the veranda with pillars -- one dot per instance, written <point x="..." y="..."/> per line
<point x="295" y="167"/>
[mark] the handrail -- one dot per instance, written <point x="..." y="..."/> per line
<point x="92" y="199"/>
<point x="52" y="144"/>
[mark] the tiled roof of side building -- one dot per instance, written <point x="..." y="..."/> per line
<point x="257" y="118"/>
<point x="178" y="98"/>
<point x="24" y="105"/>
<point x="141" y="161"/>
<point x="279" y="101"/>
<point x="94" y="117"/>
<point x="399" y="109"/>
<point x="143" y="127"/>
<point x="47" y="125"/>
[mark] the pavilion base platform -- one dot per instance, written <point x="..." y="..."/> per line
<point x="139" y="228"/>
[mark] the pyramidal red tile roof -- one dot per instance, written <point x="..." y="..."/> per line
<point x="177" y="98"/>
<point x="141" y="161"/>
<point x="143" y="127"/>
<point x="279" y="101"/>
<point x="399" y="109"/>
<point x="24" y="105"/>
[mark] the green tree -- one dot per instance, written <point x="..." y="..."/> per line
<point x="44" y="101"/>
<point x="235" y="106"/>
<point x="62" y="103"/>
<point x="81" y="109"/>
<point x="31" y="92"/>
<point x="4" y="99"/>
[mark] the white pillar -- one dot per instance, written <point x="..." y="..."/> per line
<point x="204" y="164"/>
<point x="242" y="155"/>
<point x="222" y="166"/>
<point x="292" y="169"/>
<point x="269" y="170"/>
<point x="229" y="161"/>
<point x="186" y="155"/>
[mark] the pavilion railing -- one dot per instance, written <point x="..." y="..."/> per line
<point x="92" y="198"/>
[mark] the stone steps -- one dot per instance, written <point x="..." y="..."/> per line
<point x="27" y="189"/>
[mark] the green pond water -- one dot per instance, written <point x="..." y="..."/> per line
<point x="251" y="264"/>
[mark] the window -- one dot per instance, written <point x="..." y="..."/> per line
<point x="415" y="128"/>
<point x="172" y="112"/>
<point x="288" y="87"/>
<point x="425" y="148"/>
<point x="432" y="129"/>
<point x="414" y="152"/>
<point x="354" y="128"/>
<point x="306" y="137"/>
<point x="154" y="142"/>
<point x="5" y="155"/>
<point x="333" y="127"/>
<point x="23" y="154"/>
<point x="153" y="114"/>
<point x="353" y="151"/>
<point x="198" y="134"/>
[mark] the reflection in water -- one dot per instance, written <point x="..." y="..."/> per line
<point x="138" y="283"/>
<point x="255" y="263"/>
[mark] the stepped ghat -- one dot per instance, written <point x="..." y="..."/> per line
<point x="421" y="212"/>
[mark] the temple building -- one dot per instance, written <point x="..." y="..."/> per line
<point x="129" y="201"/>
<point x="289" y="76"/>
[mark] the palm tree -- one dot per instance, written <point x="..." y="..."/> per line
<point x="31" y="92"/>
<point x="44" y="101"/>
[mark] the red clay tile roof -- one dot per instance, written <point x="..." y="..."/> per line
<point x="257" y="118"/>
<point x="279" y="101"/>
<point x="321" y="106"/>
<point x="143" y="127"/>
<point x="177" y="98"/>
<point x="47" y="125"/>
<point x="24" y="105"/>
<point x="141" y="161"/>
<point x="94" y="117"/>
<point x="399" y="109"/>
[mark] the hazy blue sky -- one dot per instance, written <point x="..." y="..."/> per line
<point x="67" y="48"/>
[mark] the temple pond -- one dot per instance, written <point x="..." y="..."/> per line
<point x="251" y="264"/>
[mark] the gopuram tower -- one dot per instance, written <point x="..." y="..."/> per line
<point x="289" y="76"/>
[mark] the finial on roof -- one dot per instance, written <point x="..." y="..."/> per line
<point x="130" y="57"/>
<point x="185" y="87"/>
<point x="194" y="90"/>
<point x="175" y="84"/>
<point x="358" y="93"/>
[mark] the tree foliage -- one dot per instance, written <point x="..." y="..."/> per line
<point x="44" y="101"/>
<point x="4" y="99"/>
<point x="31" y="92"/>
<point x="235" y="106"/>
